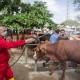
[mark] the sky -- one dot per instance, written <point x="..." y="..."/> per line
<point x="59" y="9"/>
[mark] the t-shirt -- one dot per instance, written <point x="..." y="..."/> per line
<point x="54" y="38"/>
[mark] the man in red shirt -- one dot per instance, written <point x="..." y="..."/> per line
<point x="5" y="70"/>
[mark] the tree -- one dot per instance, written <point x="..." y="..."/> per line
<point x="4" y="3"/>
<point x="70" y="23"/>
<point x="77" y="3"/>
<point x="27" y="15"/>
<point x="10" y="6"/>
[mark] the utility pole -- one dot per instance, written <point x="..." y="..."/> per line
<point x="68" y="3"/>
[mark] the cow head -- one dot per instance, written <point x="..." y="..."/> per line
<point x="41" y="49"/>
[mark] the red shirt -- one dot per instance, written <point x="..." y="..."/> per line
<point x="4" y="46"/>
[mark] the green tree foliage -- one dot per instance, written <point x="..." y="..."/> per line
<point x="4" y="3"/>
<point x="26" y="15"/>
<point x="10" y="5"/>
<point x="70" y="23"/>
<point x="77" y="3"/>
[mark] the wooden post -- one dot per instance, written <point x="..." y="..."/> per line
<point x="35" y="62"/>
<point x="26" y="57"/>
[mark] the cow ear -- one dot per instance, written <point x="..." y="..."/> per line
<point x="47" y="42"/>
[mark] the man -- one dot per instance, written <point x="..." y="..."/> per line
<point x="53" y="38"/>
<point x="5" y="70"/>
<point x="63" y="35"/>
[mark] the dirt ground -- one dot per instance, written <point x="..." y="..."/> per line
<point x="27" y="73"/>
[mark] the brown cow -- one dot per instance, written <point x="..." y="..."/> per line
<point x="61" y="51"/>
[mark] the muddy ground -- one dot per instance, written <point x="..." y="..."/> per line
<point x="27" y="73"/>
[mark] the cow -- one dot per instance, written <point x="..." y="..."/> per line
<point x="44" y="37"/>
<point x="60" y="52"/>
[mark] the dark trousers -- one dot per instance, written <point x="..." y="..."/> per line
<point x="47" y="59"/>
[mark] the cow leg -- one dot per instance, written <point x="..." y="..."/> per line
<point x="63" y="64"/>
<point x="54" y="67"/>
